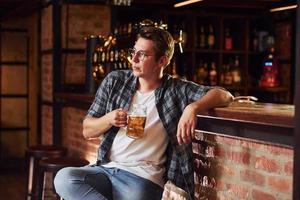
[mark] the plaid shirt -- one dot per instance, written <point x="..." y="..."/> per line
<point x="117" y="90"/>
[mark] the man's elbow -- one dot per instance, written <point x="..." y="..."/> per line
<point x="85" y="130"/>
<point x="227" y="97"/>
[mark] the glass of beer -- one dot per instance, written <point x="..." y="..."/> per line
<point x="136" y="121"/>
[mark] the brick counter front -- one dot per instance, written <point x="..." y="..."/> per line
<point x="245" y="152"/>
<point x="241" y="169"/>
<point x="241" y="153"/>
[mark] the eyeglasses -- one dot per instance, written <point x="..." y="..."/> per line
<point x="140" y="54"/>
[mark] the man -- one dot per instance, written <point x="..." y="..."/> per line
<point x="136" y="169"/>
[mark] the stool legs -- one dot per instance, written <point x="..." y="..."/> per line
<point x="30" y="177"/>
<point x="42" y="189"/>
<point x="34" y="154"/>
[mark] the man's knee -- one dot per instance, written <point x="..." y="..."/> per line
<point x="65" y="177"/>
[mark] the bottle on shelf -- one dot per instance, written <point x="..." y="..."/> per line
<point x="228" y="39"/>
<point x="270" y="74"/>
<point x="211" y="37"/>
<point x="236" y="72"/>
<point x="174" y="73"/>
<point x="202" y="37"/>
<point x="227" y="75"/>
<point x="116" y="59"/>
<point x="202" y="73"/>
<point x="213" y="74"/>
<point x="98" y="65"/>
<point x="129" y="29"/>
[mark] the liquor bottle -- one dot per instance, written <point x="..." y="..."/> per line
<point x="236" y="72"/>
<point x="228" y="39"/>
<point x="202" y="38"/>
<point x="228" y="75"/>
<point x="129" y="29"/>
<point x="270" y="74"/>
<point x="107" y="56"/>
<point x="213" y="74"/>
<point x="211" y="37"/>
<point x="116" y="31"/>
<point x="222" y="74"/>
<point x="111" y="56"/>
<point x="116" y="59"/>
<point x="201" y="74"/>
<point x="96" y="56"/>
<point x="103" y="56"/>
<point x="98" y="66"/>
<point x="174" y="73"/>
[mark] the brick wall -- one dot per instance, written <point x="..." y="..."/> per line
<point x="47" y="121"/>
<point x="46" y="30"/>
<point x="47" y="78"/>
<point x="74" y="68"/>
<point x="78" y="22"/>
<point x="72" y="135"/>
<point x="229" y="168"/>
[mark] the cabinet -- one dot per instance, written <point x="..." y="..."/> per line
<point x="229" y="50"/>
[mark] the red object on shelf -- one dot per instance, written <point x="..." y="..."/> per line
<point x="270" y="75"/>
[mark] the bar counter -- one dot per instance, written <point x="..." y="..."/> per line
<point x="268" y="122"/>
<point x="259" y="121"/>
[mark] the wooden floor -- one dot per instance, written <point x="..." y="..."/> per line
<point x="12" y="186"/>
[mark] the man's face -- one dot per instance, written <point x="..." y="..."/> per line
<point x="144" y="63"/>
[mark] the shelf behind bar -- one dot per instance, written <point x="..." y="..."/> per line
<point x="74" y="97"/>
<point x="13" y="30"/>
<point x="14" y="129"/>
<point x="274" y="89"/>
<point x="14" y="63"/>
<point x="64" y="50"/>
<point x="14" y="95"/>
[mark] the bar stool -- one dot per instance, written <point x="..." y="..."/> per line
<point x="34" y="154"/>
<point x="54" y="165"/>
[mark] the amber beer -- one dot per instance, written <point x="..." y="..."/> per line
<point x="136" y="121"/>
<point x="135" y="127"/>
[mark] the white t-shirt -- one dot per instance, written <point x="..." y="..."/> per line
<point x="146" y="156"/>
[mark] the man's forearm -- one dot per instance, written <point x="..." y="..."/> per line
<point x="95" y="127"/>
<point x="215" y="97"/>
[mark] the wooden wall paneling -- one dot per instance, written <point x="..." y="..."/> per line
<point x="14" y="93"/>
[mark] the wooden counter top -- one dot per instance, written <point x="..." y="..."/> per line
<point x="265" y="113"/>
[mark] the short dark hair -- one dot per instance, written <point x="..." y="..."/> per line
<point x="163" y="41"/>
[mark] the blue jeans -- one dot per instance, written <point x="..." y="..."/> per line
<point x="100" y="183"/>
